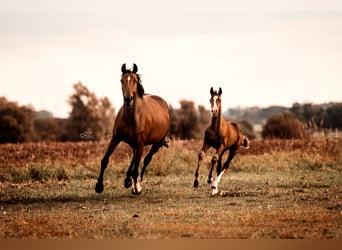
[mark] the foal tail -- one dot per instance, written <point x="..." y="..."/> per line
<point x="245" y="142"/>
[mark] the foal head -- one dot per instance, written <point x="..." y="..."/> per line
<point x="131" y="85"/>
<point x="215" y="101"/>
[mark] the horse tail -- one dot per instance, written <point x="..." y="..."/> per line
<point x="245" y="142"/>
<point x="165" y="143"/>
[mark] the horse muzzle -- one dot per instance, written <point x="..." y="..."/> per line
<point x="128" y="100"/>
<point x="214" y="112"/>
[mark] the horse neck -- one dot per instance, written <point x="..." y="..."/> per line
<point x="131" y="114"/>
<point x="216" y="121"/>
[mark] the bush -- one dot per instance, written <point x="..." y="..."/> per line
<point x="247" y="128"/>
<point x="15" y="122"/>
<point x="283" y="126"/>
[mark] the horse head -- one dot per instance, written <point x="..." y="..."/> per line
<point x="131" y="85"/>
<point x="215" y="101"/>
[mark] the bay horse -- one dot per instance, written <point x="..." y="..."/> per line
<point x="142" y="120"/>
<point x="222" y="135"/>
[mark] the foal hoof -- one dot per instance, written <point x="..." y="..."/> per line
<point x="214" y="190"/>
<point x="99" y="188"/>
<point x="196" y="183"/>
<point x="128" y="182"/>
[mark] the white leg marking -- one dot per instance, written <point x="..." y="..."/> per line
<point x="216" y="183"/>
<point x="137" y="186"/>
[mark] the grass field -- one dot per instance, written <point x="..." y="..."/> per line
<point x="275" y="189"/>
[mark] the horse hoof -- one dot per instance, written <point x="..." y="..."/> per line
<point x="196" y="183"/>
<point x="214" y="190"/>
<point x="135" y="192"/>
<point x="128" y="183"/>
<point x="99" y="188"/>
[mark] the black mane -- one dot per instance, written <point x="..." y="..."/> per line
<point x="140" y="88"/>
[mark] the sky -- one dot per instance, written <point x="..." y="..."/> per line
<point x="260" y="52"/>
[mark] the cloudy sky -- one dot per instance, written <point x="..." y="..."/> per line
<point x="261" y="52"/>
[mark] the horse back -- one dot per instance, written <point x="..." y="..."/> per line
<point x="157" y="118"/>
<point x="233" y="133"/>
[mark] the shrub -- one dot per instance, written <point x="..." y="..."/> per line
<point x="283" y="126"/>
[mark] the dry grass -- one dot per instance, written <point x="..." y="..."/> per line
<point x="276" y="189"/>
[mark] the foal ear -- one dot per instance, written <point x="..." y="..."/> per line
<point x="220" y="91"/>
<point x="123" y="68"/>
<point x="135" y="68"/>
<point x="211" y="91"/>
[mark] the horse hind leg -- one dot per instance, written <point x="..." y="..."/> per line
<point x="201" y="155"/>
<point x="200" y="159"/>
<point x="148" y="157"/>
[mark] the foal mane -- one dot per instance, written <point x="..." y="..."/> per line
<point x="140" y="88"/>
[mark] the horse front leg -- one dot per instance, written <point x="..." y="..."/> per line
<point x="104" y="162"/>
<point x="231" y="155"/>
<point x="201" y="155"/>
<point x="128" y="179"/>
<point x="135" y="171"/>
<point x="216" y="158"/>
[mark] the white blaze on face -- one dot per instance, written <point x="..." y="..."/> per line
<point x="128" y="79"/>
<point x="214" y="105"/>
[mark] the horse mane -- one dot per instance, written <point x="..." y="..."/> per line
<point x="140" y="88"/>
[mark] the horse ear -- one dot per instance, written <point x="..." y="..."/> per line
<point x="220" y="91"/>
<point x="123" y="68"/>
<point x="135" y="68"/>
<point x="211" y="91"/>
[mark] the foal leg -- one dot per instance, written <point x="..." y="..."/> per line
<point x="201" y="155"/>
<point x="104" y="162"/>
<point x="218" y="167"/>
<point x="231" y="155"/>
<point x="216" y="158"/>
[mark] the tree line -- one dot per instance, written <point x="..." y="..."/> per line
<point x="92" y="118"/>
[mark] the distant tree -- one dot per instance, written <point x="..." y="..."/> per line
<point x="254" y="114"/>
<point x="50" y="129"/>
<point x="309" y="112"/>
<point x="174" y="123"/>
<point x="204" y="120"/>
<point x="187" y="122"/>
<point x="333" y="117"/>
<point x="43" y="114"/>
<point x="283" y="126"/>
<point x="15" y="122"/>
<point x="90" y="118"/>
